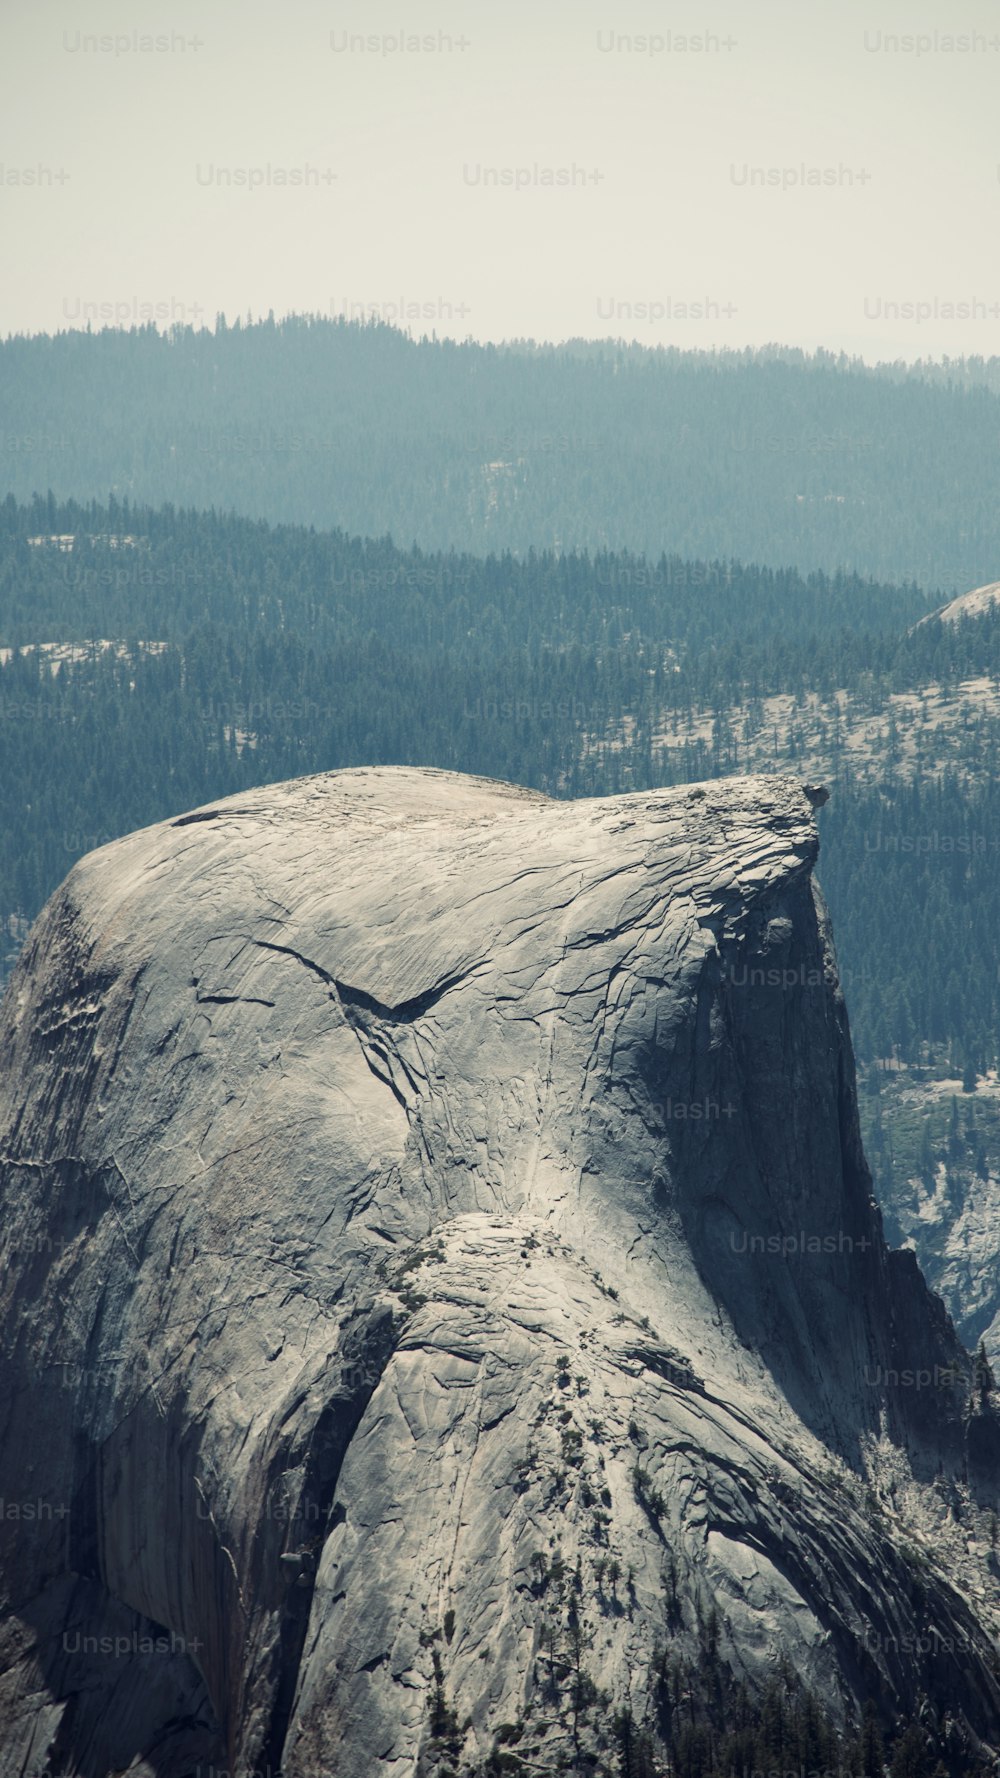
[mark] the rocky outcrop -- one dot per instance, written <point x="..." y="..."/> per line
<point x="440" y="1277"/>
<point x="973" y="604"/>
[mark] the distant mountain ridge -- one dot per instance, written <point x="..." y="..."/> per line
<point x="771" y="456"/>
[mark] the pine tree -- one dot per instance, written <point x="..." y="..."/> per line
<point x="872" y="1745"/>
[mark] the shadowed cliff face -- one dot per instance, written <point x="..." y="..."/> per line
<point x="394" y="1164"/>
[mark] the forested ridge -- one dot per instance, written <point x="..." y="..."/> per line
<point x="772" y="456"/>
<point x="246" y="653"/>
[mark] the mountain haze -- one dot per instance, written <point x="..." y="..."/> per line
<point x="770" y="456"/>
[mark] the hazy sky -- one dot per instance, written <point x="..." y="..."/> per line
<point x="688" y="138"/>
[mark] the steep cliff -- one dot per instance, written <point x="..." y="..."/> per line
<point x="440" y="1276"/>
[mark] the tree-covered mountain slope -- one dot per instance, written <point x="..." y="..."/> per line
<point x="769" y="456"/>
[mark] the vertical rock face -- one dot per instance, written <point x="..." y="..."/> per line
<point x="415" y="1191"/>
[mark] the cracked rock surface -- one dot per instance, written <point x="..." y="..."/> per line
<point x="411" y="1189"/>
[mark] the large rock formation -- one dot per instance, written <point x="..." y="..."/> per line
<point x="440" y="1277"/>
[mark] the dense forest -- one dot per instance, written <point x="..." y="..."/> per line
<point x="152" y="661"/>
<point x="772" y="456"/>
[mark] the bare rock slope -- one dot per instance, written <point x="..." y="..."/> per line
<point x="440" y="1276"/>
<point x="972" y="604"/>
